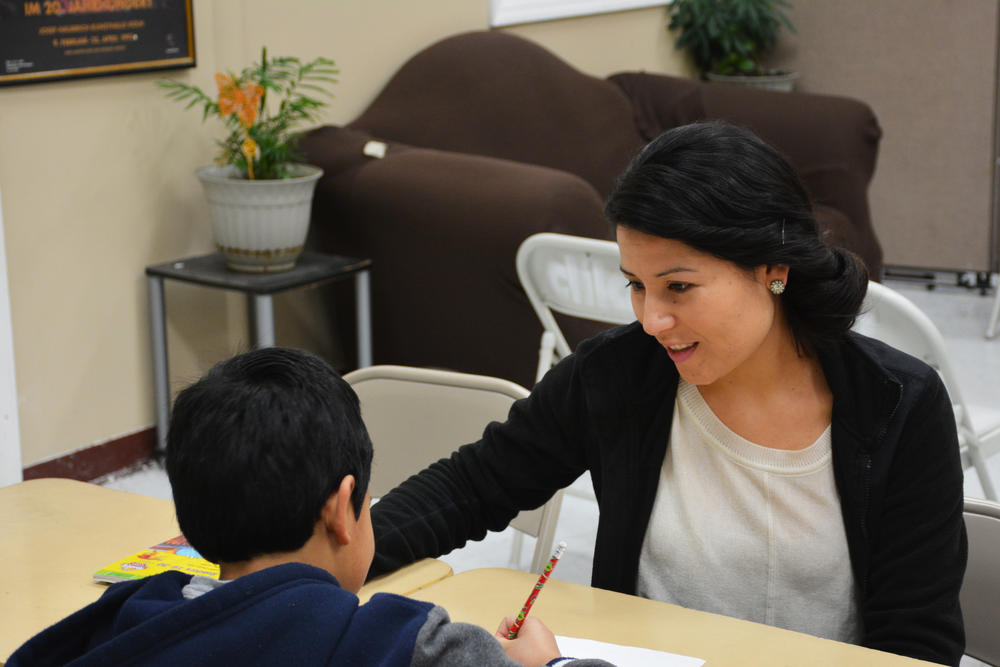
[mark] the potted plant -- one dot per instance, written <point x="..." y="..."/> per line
<point x="260" y="192"/>
<point x="727" y="38"/>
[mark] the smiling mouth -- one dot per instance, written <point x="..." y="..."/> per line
<point x="681" y="353"/>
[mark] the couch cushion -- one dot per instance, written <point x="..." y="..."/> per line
<point x="496" y="94"/>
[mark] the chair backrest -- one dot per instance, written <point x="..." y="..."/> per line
<point x="575" y="276"/>
<point x="981" y="587"/>
<point x="416" y="416"/>
<point x="892" y="318"/>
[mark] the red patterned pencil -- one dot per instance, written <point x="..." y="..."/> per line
<point x="516" y="626"/>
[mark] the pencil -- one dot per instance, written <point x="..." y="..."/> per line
<point x="516" y="626"/>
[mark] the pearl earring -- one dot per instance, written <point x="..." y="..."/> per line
<point x="776" y="287"/>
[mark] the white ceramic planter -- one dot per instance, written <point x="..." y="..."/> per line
<point x="784" y="82"/>
<point x="260" y="226"/>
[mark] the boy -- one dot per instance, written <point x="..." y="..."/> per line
<point x="269" y="461"/>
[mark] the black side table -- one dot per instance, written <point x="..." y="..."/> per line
<point x="312" y="269"/>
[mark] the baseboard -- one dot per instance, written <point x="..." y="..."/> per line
<point x="90" y="463"/>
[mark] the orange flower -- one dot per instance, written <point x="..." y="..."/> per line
<point x="240" y="101"/>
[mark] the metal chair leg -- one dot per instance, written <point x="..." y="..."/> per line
<point x="991" y="326"/>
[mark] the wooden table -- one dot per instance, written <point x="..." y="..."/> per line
<point x="484" y="596"/>
<point x="407" y="580"/>
<point x="57" y="532"/>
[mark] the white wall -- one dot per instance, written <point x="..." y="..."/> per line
<point x="10" y="439"/>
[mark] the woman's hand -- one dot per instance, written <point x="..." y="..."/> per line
<point x="535" y="644"/>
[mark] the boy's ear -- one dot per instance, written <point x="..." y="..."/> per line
<point x="338" y="513"/>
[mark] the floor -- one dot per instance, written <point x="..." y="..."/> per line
<point x="960" y="314"/>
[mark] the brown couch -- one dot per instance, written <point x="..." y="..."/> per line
<point x="490" y="139"/>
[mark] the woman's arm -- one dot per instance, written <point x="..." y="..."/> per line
<point x="517" y="465"/>
<point x="917" y="541"/>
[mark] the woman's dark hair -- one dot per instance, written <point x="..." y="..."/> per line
<point x="721" y="190"/>
<point x="256" y="447"/>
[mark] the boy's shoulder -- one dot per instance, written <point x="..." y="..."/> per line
<point x="291" y="614"/>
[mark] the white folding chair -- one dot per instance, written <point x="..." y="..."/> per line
<point x="571" y="275"/>
<point x="892" y="318"/>
<point x="416" y="416"/>
<point x="981" y="587"/>
<point x="574" y="276"/>
<point x="991" y="326"/>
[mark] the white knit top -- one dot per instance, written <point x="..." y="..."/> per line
<point x="748" y="531"/>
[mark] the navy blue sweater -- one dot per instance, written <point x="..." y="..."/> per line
<point x="291" y="614"/>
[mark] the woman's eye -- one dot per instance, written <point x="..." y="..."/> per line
<point x="633" y="285"/>
<point x="678" y="287"/>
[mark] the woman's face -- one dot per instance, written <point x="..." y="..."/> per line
<point x="713" y="317"/>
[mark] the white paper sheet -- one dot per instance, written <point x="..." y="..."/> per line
<point x="623" y="656"/>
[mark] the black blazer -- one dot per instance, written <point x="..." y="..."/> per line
<point x="608" y="408"/>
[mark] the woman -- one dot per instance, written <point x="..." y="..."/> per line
<point x="749" y="454"/>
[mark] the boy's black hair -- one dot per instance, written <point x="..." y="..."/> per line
<point x="256" y="447"/>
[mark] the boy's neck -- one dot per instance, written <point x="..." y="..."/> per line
<point x="230" y="571"/>
<point x="317" y="551"/>
<point x="341" y="543"/>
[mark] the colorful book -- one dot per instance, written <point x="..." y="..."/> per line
<point x="173" y="554"/>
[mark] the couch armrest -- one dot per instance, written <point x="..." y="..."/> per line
<point x="442" y="229"/>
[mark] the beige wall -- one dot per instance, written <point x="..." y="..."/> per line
<point x="97" y="181"/>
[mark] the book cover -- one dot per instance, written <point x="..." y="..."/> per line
<point x="173" y="554"/>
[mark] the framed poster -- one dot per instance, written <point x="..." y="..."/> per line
<point x="46" y="40"/>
